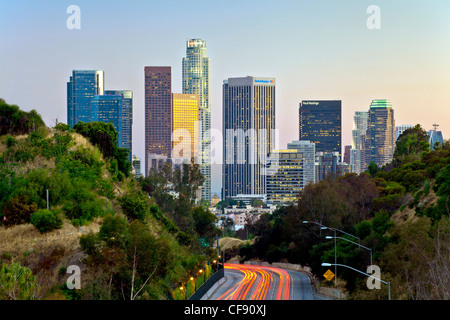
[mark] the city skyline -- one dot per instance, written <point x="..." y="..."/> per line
<point x="314" y="50"/>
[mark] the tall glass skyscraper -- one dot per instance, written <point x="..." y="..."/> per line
<point x="249" y="134"/>
<point x="196" y="80"/>
<point x="320" y="123"/>
<point x="380" y="134"/>
<point x="81" y="88"/>
<point x="126" y="119"/>
<point x="358" y="138"/>
<point x="108" y="108"/>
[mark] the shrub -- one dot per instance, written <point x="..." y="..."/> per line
<point x="134" y="205"/>
<point x="18" y="210"/>
<point x="45" y="220"/>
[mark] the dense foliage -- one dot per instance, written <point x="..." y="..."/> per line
<point x="401" y="211"/>
<point x="146" y="246"/>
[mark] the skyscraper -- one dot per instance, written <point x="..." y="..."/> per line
<point x="196" y="80"/>
<point x="81" y="89"/>
<point x="399" y="130"/>
<point x="380" y="134"/>
<point x="284" y="179"/>
<point x="184" y="127"/>
<point x="435" y="137"/>
<point x="158" y="114"/>
<point x="358" y="141"/>
<point x="249" y="134"/>
<point x="108" y="108"/>
<point x="308" y="150"/>
<point x="320" y="123"/>
<point x="126" y="118"/>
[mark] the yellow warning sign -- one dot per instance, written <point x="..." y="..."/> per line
<point x="328" y="275"/>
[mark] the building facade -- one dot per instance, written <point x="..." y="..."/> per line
<point x="81" y="89"/>
<point x="158" y="114"/>
<point x="249" y="134"/>
<point x="184" y="128"/>
<point x="400" y="129"/>
<point x="320" y="121"/>
<point x="308" y="150"/>
<point x="435" y="136"/>
<point x="380" y="134"/>
<point x="126" y="119"/>
<point x="358" y="141"/>
<point x="196" y="80"/>
<point x="285" y="176"/>
<point x="108" y="108"/>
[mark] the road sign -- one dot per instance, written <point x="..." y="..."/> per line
<point x="328" y="275"/>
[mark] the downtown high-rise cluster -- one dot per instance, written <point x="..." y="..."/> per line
<point x="254" y="166"/>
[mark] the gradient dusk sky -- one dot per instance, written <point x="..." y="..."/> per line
<point x="316" y="49"/>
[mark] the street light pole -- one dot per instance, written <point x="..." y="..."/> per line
<point x="366" y="274"/>
<point x="360" y="245"/>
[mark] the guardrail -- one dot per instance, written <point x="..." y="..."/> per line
<point x="203" y="289"/>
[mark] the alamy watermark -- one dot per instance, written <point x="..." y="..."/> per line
<point x="74" y="281"/>
<point x="374" y="20"/>
<point x="74" y="20"/>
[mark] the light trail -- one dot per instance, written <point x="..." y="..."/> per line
<point x="257" y="283"/>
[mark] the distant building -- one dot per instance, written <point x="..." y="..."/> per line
<point x="215" y="200"/>
<point x="327" y="164"/>
<point x="380" y="134"/>
<point x="126" y="118"/>
<point x="248" y="198"/>
<point x="284" y="179"/>
<point x="87" y="101"/>
<point x="108" y="108"/>
<point x="358" y="141"/>
<point x="435" y="137"/>
<point x="81" y="89"/>
<point x="158" y="101"/>
<point x="308" y="150"/>
<point x="137" y="166"/>
<point x="399" y="130"/>
<point x="184" y="126"/>
<point x="197" y="80"/>
<point x="248" y="126"/>
<point x="320" y="123"/>
<point x="347" y="150"/>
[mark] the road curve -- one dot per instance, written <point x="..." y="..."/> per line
<point x="250" y="282"/>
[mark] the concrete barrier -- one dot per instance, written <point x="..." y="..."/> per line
<point x="203" y="289"/>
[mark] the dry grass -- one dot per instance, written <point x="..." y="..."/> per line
<point x="45" y="254"/>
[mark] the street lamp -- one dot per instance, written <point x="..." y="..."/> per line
<point x="366" y="274"/>
<point x="334" y="230"/>
<point x="358" y="244"/>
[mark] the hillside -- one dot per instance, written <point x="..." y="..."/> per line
<point x="400" y="211"/>
<point x="99" y="218"/>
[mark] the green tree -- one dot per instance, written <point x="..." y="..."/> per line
<point x="17" y="283"/>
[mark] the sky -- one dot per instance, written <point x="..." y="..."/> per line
<point x="321" y="49"/>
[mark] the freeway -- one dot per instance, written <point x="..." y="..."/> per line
<point x="250" y="282"/>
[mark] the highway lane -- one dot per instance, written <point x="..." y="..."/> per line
<point x="249" y="282"/>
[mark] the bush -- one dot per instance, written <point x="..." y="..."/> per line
<point x="45" y="220"/>
<point x="18" y="210"/>
<point x="134" y="205"/>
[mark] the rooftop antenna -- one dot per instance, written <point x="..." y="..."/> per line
<point x="435" y="125"/>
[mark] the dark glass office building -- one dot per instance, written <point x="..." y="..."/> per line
<point x="320" y="122"/>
